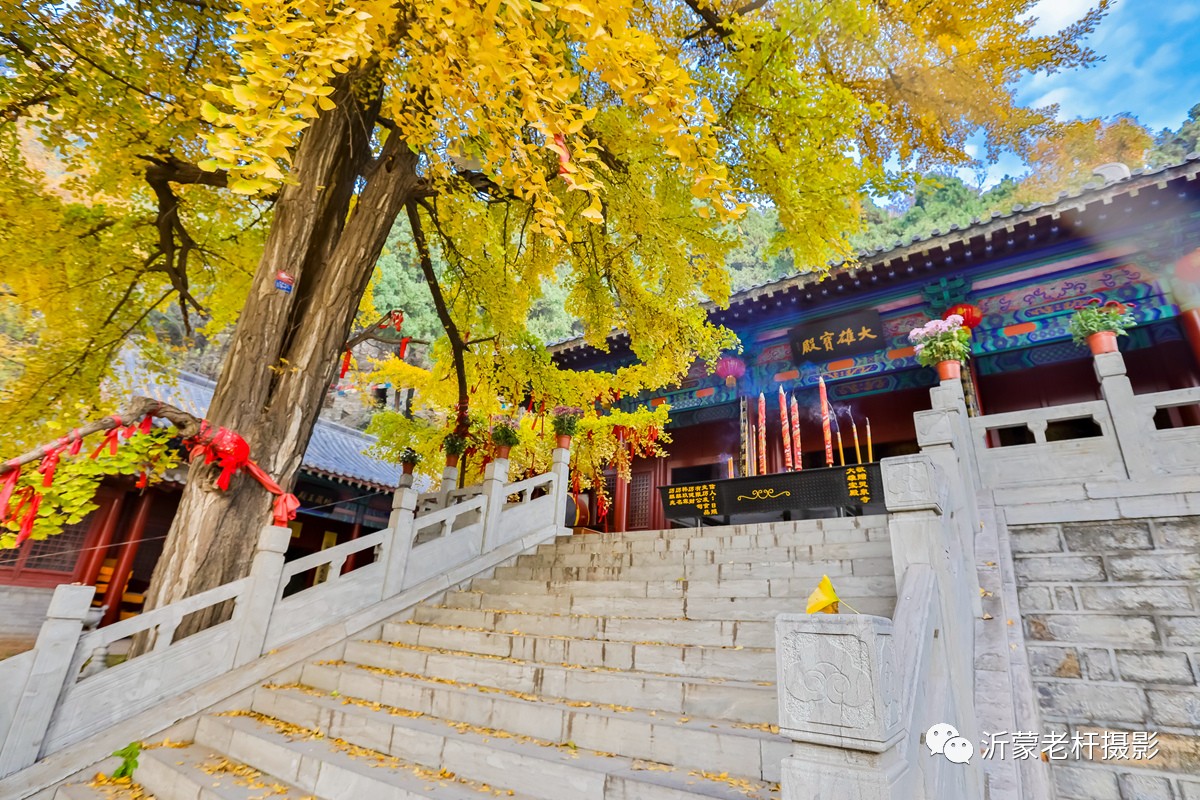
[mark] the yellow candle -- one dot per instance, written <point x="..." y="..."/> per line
<point x="841" y="454"/>
<point x="870" y="455"/>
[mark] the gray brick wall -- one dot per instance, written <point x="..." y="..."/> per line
<point x="1111" y="614"/>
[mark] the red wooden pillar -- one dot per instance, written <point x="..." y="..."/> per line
<point x="620" y="510"/>
<point x="662" y="473"/>
<point x="1190" y="322"/>
<point x="93" y="560"/>
<point x="128" y="549"/>
<point x="355" y="532"/>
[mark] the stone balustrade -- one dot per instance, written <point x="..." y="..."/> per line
<point x="60" y="693"/>
<point x="1113" y="439"/>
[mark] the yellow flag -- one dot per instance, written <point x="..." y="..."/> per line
<point x="824" y="598"/>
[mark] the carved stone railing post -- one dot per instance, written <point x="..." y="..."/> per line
<point x="840" y="701"/>
<point x="48" y="675"/>
<point x="560" y="465"/>
<point x="838" y="681"/>
<point x="449" y="484"/>
<point x="944" y="433"/>
<point x="1123" y="410"/>
<point x="400" y="523"/>
<point x="918" y="498"/>
<point x="495" y="479"/>
<point x="255" y="607"/>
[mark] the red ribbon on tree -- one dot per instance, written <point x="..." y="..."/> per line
<point x="231" y="452"/>
<point x="50" y="462"/>
<point x="223" y="446"/>
<point x="7" y="487"/>
<point x="403" y="348"/>
<point x="110" y="439"/>
<point x="345" y="365"/>
<point x="30" y="517"/>
<point x="76" y="442"/>
<point x="286" y="503"/>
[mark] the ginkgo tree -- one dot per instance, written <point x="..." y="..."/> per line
<point x="614" y="142"/>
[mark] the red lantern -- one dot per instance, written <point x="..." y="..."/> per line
<point x="972" y="315"/>
<point x="730" y="368"/>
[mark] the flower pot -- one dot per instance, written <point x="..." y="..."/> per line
<point x="564" y="441"/>
<point x="1102" y="342"/>
<point x="502" y="451"/>
<point x="408" y="467"/>
<point x="451" y="459"/>
<point x="949" y="370"/>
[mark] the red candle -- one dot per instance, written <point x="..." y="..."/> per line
<point x="796" y="451"/>
<point x="825" y="422"/>
<point x="762" y="434"/>
<point x="785" y="431"/>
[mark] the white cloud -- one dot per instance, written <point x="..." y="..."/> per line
<point x="1149" y="65"/>
<point x="1054" y="15"/>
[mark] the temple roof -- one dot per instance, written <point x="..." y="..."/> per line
<point x="955" y="240"/>
<point x="334" y="451"/>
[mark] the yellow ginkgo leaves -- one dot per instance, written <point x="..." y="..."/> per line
<point x="825" y="600"/>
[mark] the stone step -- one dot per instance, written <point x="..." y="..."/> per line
<point x="785" y="537"/>
<point x="747" y="749"/>
<point x="611" y="558"/>
<point x="834" y="525"/>
<point x="195" y="771"/>
<point x="709" y="633"/>
<point x="699" y="572"/>
<point x="700" y="608"/>
<point x="749" y="664"/>
<point x="863" y="586"/>
<point x="540" y="766"/>
<point x="331" y="767"/>
<point x="187" y="771"/>
<point x="737" y="700"/>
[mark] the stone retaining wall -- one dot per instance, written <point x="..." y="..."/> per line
<point x="22" y="611"/>
<point x="1111" y="615"/>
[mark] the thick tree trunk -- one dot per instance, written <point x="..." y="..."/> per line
<point x="286" y="344"/>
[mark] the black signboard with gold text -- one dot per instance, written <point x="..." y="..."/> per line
<point x="833" y="338"/>
<point x="858" y="488"/>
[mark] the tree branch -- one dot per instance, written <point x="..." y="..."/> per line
<point x="457" y="346"/>
<point x="187" y="425"/>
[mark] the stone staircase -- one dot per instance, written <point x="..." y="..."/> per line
<point x="636" y="666"/>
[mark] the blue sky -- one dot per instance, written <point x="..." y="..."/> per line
<point x="1151" y="66"/>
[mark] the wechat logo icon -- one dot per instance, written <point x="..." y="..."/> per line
<point x="943" y="740"/>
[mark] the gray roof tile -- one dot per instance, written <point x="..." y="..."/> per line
<point x="333" y="451"/>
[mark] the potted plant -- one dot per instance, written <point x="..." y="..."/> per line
<point x="1099" y="325"/>
<point x="409" y="459"/>
<point x="943" y="343"/>
<point x="504" y="435"/>
<point x="454" y="445"/>
<point x="565" y="421"/>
